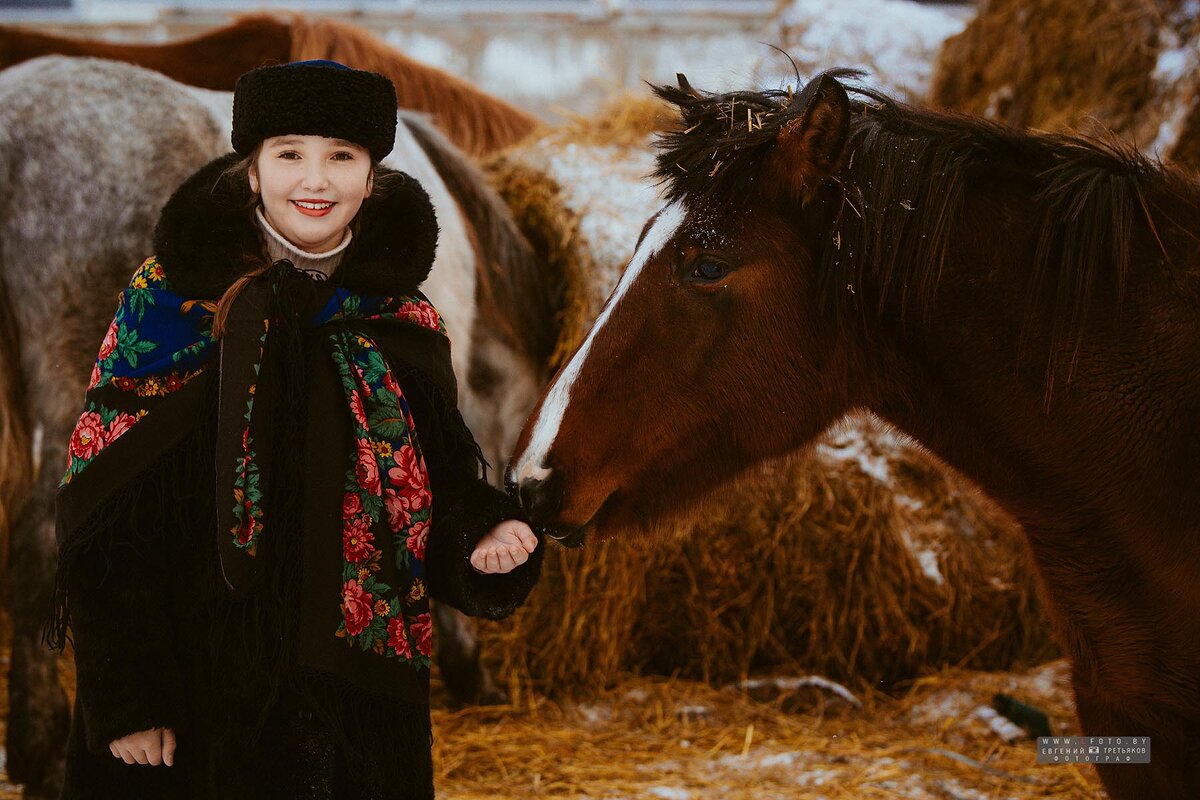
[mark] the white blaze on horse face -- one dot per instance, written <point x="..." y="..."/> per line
<point x="545" y="429"/>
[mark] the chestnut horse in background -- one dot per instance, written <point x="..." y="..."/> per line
<point x="1025" y="305"/>
<point x="476" y="122"/>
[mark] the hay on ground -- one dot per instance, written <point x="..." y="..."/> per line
<point x="678" y="739"/>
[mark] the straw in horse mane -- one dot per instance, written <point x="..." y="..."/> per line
<point x="1090" y="191"/>
<point x="1082" y="63"/>
<point x="481" y="124"/>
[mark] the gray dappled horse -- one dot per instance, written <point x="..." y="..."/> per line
<point x="89" y="152"/>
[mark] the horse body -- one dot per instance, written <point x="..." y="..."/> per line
<point x="1025" y="306"/>
<point x="475" y="121"/>
<point x="213" y="60"/>
<point x="85" y="178"/>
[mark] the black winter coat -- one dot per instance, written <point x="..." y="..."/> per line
<point x="158" y="639"/>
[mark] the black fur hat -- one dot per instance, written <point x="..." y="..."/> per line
<point x="317" y="98"/>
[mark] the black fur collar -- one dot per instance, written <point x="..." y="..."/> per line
<point x="205" y="231"/>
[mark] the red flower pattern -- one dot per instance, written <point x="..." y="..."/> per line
<point x="397" y="638"/>
<point x="400" y="505"/>
<point x="422" y="631"/>
<point x="407" y="471"/>
<point x="356" y="408"/>
<point x="110" y="341"/>
<point x="357" y="540"/>
<point x="421" y="313"/>
<point x="351" y="505"/>
<point x="245" y="530"/>
<point x="88" y="439"/>
<point x="120" y="424"/>
<point x="367" y="468"/>
<point x="357" y="607"/>
<point x="416" y="538"/>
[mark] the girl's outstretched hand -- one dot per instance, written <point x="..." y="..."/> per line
<point x="504" y="548"/>
<point x="153" y="747"/>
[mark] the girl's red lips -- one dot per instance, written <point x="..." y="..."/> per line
<point x="327" y="206"/>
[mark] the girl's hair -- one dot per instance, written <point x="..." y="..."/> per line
<point x="382" y="183"/>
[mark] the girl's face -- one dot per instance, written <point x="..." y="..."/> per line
<point x="311" y="187"/>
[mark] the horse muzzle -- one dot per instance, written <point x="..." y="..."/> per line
<point x="542" y="498"/>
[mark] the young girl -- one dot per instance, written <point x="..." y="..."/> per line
<point x="270" y="477"/>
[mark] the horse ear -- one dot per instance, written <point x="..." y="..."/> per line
<point x="810" y="146"/>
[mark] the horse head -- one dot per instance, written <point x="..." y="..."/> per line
<point x="712" y="353"/>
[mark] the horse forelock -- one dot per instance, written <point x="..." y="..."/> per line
<point x="717" y="150"/>
<point x="531" y="463"/>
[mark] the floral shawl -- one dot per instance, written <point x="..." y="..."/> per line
<point x="160" y="342"/>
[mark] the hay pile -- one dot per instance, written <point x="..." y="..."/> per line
<point x="686" y="741"/>
<point x="862" y="560"/>
<point x="580" y="195"/>
<point x="1129" y="65"/>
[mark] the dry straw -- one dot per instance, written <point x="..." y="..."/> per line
<point x="674" y="738"/>
<point x="1072" y="64"/>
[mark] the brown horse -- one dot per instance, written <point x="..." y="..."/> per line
<point x="474" y="121"/>
<point x="1026" y="306"/>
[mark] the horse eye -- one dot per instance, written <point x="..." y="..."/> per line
<point x="707" y="270"/>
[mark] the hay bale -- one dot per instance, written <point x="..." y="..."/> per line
<point x="1128" y="65"/>
<point x="580" y="195"/>
<point x="863" y="560"/>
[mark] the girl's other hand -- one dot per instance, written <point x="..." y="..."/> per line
<point x="153" y="747"/>
<point x="504" y="548"/>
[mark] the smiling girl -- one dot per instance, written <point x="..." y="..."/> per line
<point x="270" y="477"/>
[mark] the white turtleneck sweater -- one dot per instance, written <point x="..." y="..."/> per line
<point x="278" y="247"/>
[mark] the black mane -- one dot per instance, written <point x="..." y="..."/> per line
<point x="903" y="184"/>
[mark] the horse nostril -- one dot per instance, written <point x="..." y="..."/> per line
<point x="541" y="497"/>
<point x="510" y="481"/>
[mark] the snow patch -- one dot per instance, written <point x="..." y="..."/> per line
<point x="926" y="557"/>
<point x="792" y="684"/>
<point x="852" y="446"/>
<point x="896" y="41"/>
<point x="940" y="706"/>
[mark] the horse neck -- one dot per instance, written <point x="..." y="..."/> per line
<point x="967" y="376"/>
